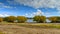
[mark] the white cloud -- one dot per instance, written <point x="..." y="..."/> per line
<point x="4" y="15"/>
<point x="26" y="14"/>
<point x="38" y="12"/>
<point x="1" y="15"/>
<point x="40" y="3"/>
<point x="7" y="7"/>
<point x="2" y="5"/>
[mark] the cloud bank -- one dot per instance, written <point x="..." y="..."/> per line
<point x="40" y="3"/>
<point x="38" y="12"/>
<point x="2" y="5"/>
<point x="4" y="15"/>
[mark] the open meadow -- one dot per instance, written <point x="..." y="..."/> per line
<point x="30" y="28"/>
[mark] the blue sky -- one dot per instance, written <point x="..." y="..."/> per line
<point x="29" y="8"/>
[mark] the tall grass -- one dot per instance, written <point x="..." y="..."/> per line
<point x="40" y="25"/>
<point x="1" y="32"/>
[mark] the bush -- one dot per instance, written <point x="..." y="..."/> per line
<point x="10" y="19"/>
<point x="58" y="19"/>
<point x="1" y="19"/>
<point x="39" y="19"/>
<point x="21" y="19"/>
<point x="53" y="19"/>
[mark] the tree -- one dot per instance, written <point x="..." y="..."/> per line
<point x="5" y="18"/>
<point x="21" y="19"/>
<point x="1" y="19"/>
<point x="10" y="18"/>
<point x="58" y="19"/>
<point x="53" y="19"/>
<point x="39" y="19"/>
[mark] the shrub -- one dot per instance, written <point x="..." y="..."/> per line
<point x="53" y="19"/>
<point x="21" y="19"/>
<point x="1" y="19"/>
<point x="10" y="19"/>
<point x="39" y="19"/>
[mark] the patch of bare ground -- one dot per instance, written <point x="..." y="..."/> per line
<point x="15" y="29"/>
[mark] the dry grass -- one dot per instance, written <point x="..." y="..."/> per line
<point x="1" y="32"/>
<point x="13" y="28"/>
<point x="40" y="25"/>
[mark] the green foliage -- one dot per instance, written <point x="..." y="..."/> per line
<point x="5" y="18"/>
<point x="39" y="18"/>
<point x="21" y="19"/>
<point x="58" y="19"/>
<point x="10" y="18"/>
<point x="53" y="19"/>
<point x="1" y="19"/>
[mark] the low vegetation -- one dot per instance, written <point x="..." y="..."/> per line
<point x="28" y="28"/>
<point x="1" y="19"/>
<point x="1" y="32"/>
<point x="37" y="19"/>
<point x="35" y="25"/>
<point x="40" y="25"/>
<point x="11" y="18"/>
<point x="21" y="19"/>
<point x="53" y="19"/>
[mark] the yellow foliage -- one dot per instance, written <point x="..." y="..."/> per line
<point x="53" y="18"/>
<point x="11" y="18"/>
<point x="1" y="19"/>
<point x="21" y="18"/>
<point x="39" y="18"/>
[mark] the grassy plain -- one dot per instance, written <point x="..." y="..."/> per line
<point x="30" y="28"/>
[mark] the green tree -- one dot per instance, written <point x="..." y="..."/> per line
<point x="58" y="19"/>
<point x="21" y="19"/>
<point x="39" y="19"/>
<point x="10" y="18"/>
<point x="5" y="18"/>
<point x="1" y="19"/>
<point x="53" y="19"/>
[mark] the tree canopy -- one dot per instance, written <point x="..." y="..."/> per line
<point x="21" y="19"/>
<point x="39" y="18"/>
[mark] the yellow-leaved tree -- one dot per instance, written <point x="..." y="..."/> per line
<point x="53" y="19"/>
<point x="11" y="18"/>
<point x="21" y="19"/>
<point x="39" y="19"/>
<point x="1" y="19"/>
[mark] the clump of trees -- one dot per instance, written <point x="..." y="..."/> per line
<point x="10" y="19"/>
<point x="21" y="19"/>
<point x="1" y="19"/>
<point x="58" y="19"/>
<point x="39" y="19"/>
<point x="53" y="19"/>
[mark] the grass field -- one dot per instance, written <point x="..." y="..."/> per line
<point x="36" y="25"/>
<point x="1" y="32"/>
<point x="30" y="28"/>
<point x="41" y="25"/>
